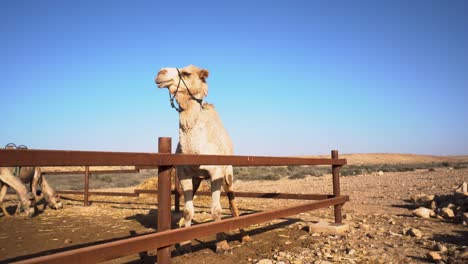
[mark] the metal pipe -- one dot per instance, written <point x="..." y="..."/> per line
<point x="24" y="158"/>
<point x="86" y="186"/>
<point x="336" y="187"/>
<point x="164" y="199"/>
<point x="293" y="196"/>
<point x="177" y="193"/>
<point x="91" y="172"/>
<point x="136" y="192"/>
<point x="90" y="193"/>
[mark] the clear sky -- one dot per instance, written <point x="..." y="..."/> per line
<point x="287" y="77"/>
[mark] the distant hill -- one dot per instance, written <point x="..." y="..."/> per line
<point x="395" y="158"/>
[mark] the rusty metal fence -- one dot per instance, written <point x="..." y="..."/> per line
<point x="87" y="173"/>
<point x="164" y="161"/>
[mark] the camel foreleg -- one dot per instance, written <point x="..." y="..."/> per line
<point x="189" y="210"/>
<point x="26" y="199"/>
<point x="216" y="211"/>
<point x="3" y="192"/>
<point x="227" y="185"/>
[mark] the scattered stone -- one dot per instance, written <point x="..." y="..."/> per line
<point x="323" y="262"/>
<point x="423" y="212"/>
<point x="440" y="247"/>
<point x="350" y="251"/>
<point x="347" y="217"/>
<point x="265" y="261"/>
<point x="324" y="227"/>
<point x="380" y="173"/>
<point x="443" y="207"/>
<point x="68" y="241"/>
<point x="447" y="212"/>
<point x="414" y="232"/>
<point x="422" y="200"/>
<point x="463" y="255"/>
<point x="463" y="188"/>
<point x="434" y="256"/>
<point x="364" y="227"/>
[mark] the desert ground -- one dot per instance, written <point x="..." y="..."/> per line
<point x="383" y="228"/>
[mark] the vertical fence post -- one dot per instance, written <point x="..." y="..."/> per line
<point x="336" y="187"/>
<point x="86" y="187"/>
<point x="164" y="199"/>
<point x="177" y="192"/>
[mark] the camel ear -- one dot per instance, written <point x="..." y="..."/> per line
<point x="203" y="74"/>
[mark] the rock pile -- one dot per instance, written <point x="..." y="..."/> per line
<point x="450" y="207"/>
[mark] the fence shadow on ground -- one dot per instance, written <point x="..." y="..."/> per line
<point x="211" y="244"/>
<point x="58" y="250"/>
<point x="150" y="221"/>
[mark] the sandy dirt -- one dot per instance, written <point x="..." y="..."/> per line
<point x="379" y="214"/>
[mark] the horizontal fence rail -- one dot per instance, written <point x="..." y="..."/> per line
<point x="19" y="157"/>
<point x="90" y="172"/>
<point x="137" y="192"/>
<point x="128" y="194"/>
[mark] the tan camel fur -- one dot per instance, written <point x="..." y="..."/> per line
<point x="27" y="175"/>
<point x="27" y="201"/>
<point x="32" y="176"/>
<point x="200" y="132"/>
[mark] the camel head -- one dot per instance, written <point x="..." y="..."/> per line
<point x="54" y="202"/>
<point x="194" y="78"/>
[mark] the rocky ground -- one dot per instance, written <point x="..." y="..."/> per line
<point x="380" y="214"/>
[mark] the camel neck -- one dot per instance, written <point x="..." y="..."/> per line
<point x="190" y="116"/>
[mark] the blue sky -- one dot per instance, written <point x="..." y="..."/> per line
<point x="287" y="77"/>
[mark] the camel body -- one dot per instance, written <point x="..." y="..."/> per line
<point x="200" y="132"/>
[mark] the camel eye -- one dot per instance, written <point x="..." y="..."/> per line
<point x="186" y="74"/>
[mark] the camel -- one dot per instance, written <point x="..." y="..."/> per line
<point x="200" y="132"/>
<point x="17" y="177"/>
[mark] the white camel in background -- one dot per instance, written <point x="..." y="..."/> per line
<point x="200" y="132"/>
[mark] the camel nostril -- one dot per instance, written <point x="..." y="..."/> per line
<point x="162" y="71"/>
